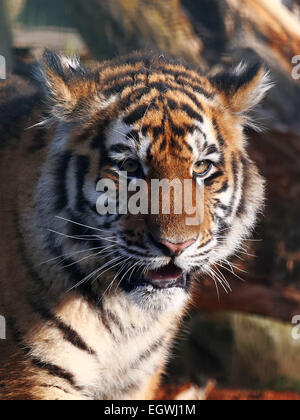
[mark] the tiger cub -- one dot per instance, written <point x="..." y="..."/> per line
<point x="91" y="300"/>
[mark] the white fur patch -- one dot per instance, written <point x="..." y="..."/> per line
<point x="159" y="301"/>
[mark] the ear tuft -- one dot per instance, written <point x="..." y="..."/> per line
<point x="243" y="88"/>
<point x="62" y="66"/>
<point x="62" y="77"/>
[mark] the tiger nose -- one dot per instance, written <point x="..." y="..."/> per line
<point x="176" y="249"/>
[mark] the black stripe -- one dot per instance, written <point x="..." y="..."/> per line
<point x="115" y="320"/>
<point x="117" y="88"/>
<point x="196" y="88"/>
<point x="191" y="81"/>
<point x="132" y="385"/>
<point x="205" y="244"/>
<point x="224" y="188"/>
<point x="177" y="130"/>
<point x="160" y="86"/>
<point x="222" y="206"/>
<point x="69" y="334"/>
<point x="201" y="134"/>
<point x="175" y="144"/>
<point x="149" y="352"/>
<point x="234" y="167"/>
<point x="136" y="115"/>
<point x="56" y="371"/>
<point x="82" y="167"/>
<point x="220" y="139"/>
<point x="189" y="94"/>
<point x="134" y="96"/>
<point x="163" y="145"/>
<point x="158" y="131"/>
<point x="212" y="150"/>
<point x="135" y="135"/>
<point x="104" y="319"/>
<point x="119" y="148"/>
<point x="245" y="173"/>
<point x="61" y="170"/>
<point x="221" y="161"/>
<point x="163" y="88"/>
<point x="131" y="74"/>
<point x="191" y="113"/>
<point x="172" y="104"/>
<point x="209" y="181"/>
<point x="149" y="154"/>
<point x="50" y="368"/>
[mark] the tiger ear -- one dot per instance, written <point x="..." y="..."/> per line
<point x="243" y="88"/>
<point x="67" y="85"/>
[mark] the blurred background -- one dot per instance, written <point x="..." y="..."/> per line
<point x="243" y="345"/>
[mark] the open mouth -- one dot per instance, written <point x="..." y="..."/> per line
<point x="164" y="278"/>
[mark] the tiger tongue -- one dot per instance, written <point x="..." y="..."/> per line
<point x="168" y="276"/>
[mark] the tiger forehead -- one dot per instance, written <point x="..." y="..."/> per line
<point x="151" y="73"/>
<point x="163" y="109"/>
<point x="160" y="135"/>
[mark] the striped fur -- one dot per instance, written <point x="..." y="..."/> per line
<point x="72" y="332"/>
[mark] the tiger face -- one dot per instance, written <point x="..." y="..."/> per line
<point x="153" y="119"/>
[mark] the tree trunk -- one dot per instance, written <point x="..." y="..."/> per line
<point x="14" y="8"/>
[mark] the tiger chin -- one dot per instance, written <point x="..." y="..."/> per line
<point x="93" y="302"/>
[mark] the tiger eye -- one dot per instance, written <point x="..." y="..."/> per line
<point x="202" y="167"/>
<point x="130" y="165"/>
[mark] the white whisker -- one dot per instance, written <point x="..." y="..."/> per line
<point x="79" y="238"/>
<point x="66" y="256"/>
<point x="79" y="224"/>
